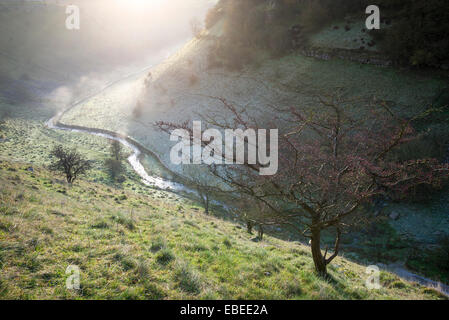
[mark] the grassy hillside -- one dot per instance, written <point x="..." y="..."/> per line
<point x="152" y="245"/>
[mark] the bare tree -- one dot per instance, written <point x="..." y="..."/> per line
<point x="116" y="150"/>
<point x="115" y="169"/>
<point x="69" y="162"/>
<point x="331" y="162"/>
<point x="115" y="165"/>
<point x="202" y="182"/>
<point x="254" y="213"/>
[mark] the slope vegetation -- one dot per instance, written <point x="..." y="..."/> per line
<point x="152" y="245"/>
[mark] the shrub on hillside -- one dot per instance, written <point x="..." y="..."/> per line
<point x="165" y="256"/>
<point x="115" y="169"/>
<point x="188" y="280"/>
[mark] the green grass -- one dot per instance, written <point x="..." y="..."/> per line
<point x="166" y="254"/>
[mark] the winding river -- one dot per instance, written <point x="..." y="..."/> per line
<point x="134" y="158"/>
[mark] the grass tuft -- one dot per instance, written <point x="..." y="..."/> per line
<point x="165" y="256"/>
<point x="188" y="279"/>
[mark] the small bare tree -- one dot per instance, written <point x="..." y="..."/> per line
<point x="116" y="150"/>
<point x="114" y="165"/>
<point x="115" y="169"/>
<point x="254" y="213"/>
<point x="202" y="183"/>
<point x="69" y="162"/>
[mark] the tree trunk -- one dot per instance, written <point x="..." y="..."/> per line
<point x="249" y="227"/>
<point x="260" y="232"/>
<point x="318" y="259"/>
<point x="204" y="196"/>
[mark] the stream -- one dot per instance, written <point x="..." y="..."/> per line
<point x="134" y="158"/>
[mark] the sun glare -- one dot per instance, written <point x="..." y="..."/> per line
<point x="140" y="4"/>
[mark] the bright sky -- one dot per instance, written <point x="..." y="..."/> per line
<point x="140" y="3"/>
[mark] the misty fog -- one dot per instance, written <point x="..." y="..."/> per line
<point x="39" y="54"/>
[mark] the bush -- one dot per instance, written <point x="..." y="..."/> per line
<point x="123" y="220"/>
<point x="142" y="269"/>
<point x="154" y="291"/>
<point x="398" y="285"/>
<point x="227" y="243"/>
<point x="100" y="224"/>
<point x="158" y="244"/>
<point x="128" y="263"/>
<point x="165" y="256"/>
<point x="189" y="280"/>
<point x="115" y="169"/>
